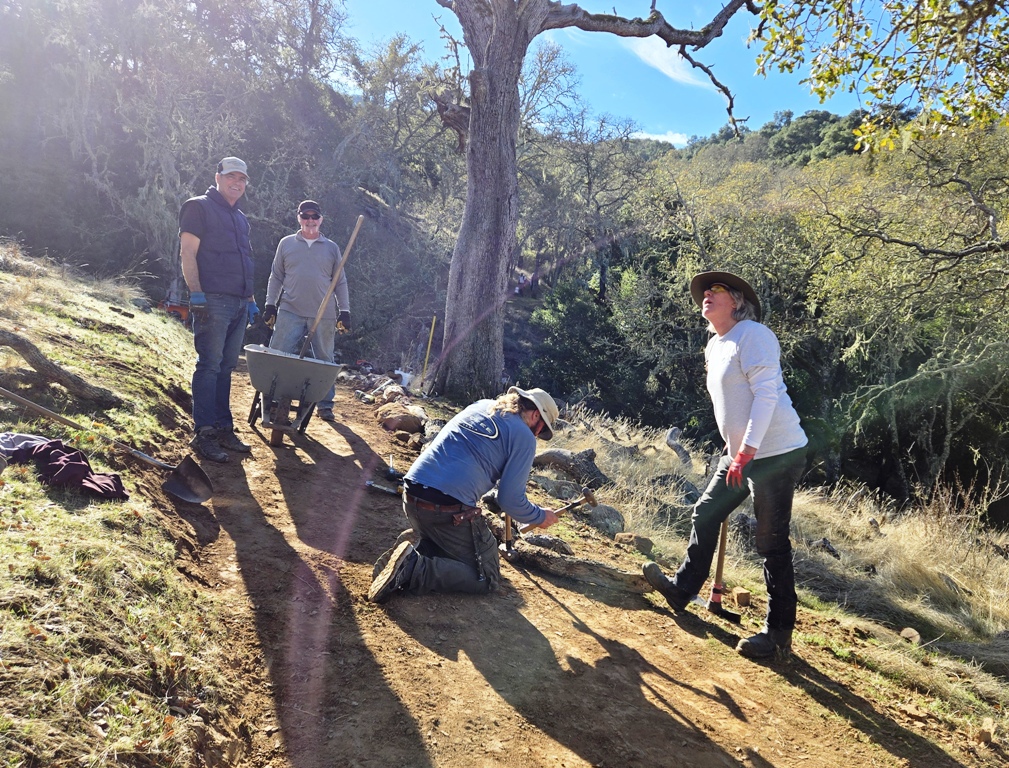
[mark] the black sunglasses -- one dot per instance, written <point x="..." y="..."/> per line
<point x="312" y="216"/>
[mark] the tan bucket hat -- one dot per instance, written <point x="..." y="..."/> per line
<point x="545" y="405"/>
<point x="700" y="283"/>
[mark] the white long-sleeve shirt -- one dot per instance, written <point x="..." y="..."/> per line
<point x="752" y="406"/>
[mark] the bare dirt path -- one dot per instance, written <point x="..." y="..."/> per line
<point x="546" y="672"/>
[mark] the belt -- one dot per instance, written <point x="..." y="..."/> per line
<point x="432" y="507"/>
<point x="460" y="512"/>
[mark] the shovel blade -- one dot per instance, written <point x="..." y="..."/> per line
<point x="189" y="482"/>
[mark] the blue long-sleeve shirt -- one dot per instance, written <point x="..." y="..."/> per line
<point x="476" y="450"/>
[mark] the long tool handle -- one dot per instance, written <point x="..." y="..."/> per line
<point x="332" y="287"/>
<point x="64" y="420"/>
<point x="716" y="586"/>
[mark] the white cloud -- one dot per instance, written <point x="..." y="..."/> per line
<point x="653" y="52"/>
<point x="676" y="139"/>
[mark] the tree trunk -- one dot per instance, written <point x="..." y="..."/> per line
<point x="498" y="37"/>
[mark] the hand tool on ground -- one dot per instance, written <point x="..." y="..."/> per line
<point x="714" y="603"/>
<point x="187" y="481"/>
<point x="397" y="491"/>
<point x="587" y="497"/>
<point x="332" y="287"/>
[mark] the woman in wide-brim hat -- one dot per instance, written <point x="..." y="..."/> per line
<point x="764" y="456"/>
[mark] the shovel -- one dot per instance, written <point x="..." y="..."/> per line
<point x="187" y="481"/>
<point x="714" y="603"/>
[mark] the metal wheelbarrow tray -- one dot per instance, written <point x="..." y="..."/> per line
<point x="285" y="378"/>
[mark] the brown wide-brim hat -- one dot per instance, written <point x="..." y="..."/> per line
<point x="544" y="404"/>
<point x="701" y="282"/>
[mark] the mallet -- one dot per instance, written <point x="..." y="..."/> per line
<point x="587" y="496"/>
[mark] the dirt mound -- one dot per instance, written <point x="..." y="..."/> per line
<point x="546" y="672"/>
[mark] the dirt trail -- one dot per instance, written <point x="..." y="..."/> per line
<point x="546" y="672"/>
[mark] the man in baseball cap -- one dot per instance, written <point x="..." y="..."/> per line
<point x="217" y="265"/>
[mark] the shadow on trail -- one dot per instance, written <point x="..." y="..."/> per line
<point x="610" y="705"/>
<point x="902" y="743"/>
<point x="329" y="692"/>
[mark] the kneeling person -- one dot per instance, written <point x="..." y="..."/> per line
<point x="490" y="442"/>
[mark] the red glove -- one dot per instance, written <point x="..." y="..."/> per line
<point x="734" y="477"/>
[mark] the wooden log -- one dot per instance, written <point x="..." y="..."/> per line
<point x="52" y="372"/>
<point x="525" y="555"/>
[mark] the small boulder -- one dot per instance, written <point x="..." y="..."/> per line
<point x="642" y="544"/>
<point x="396" y="417"/>
<point x="606" y="519"/>
<point x="911" y="635"/>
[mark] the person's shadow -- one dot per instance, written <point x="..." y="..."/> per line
<point x="608" y="711"/>
<point x="325" y="683"/>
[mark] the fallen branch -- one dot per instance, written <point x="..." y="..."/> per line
<point x="54" y="373"/>
<point x="581" y="466"/>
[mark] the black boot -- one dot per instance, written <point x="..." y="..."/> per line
<point x="767" y="643"/>
<point x="677" y="598"/>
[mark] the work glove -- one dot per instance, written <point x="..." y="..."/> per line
<point x="198" y="305"/>
<point x="734" y="477"/>
<point x="343" y="322"/>
<point x="269" y="315"/>
<point x="253" y="311"/>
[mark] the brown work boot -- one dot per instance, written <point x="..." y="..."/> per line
<point x="205" y="443"/>
<point x="766" y="643"/>
<point x="677" y="598"/>
<point x="228" y="439"/>
<point x="395" y="577"/>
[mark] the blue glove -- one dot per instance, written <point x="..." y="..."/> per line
<point x="253" y="311"/>
<point x="198" y="305"/>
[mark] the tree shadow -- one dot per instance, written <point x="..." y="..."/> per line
<point x="326" y="686"/>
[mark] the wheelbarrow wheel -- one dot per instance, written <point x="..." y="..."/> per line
<point x="276" y="437"/>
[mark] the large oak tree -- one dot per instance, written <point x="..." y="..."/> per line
<point x="498" y="34"/>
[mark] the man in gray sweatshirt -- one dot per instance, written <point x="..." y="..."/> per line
<point x="302" y="272"/>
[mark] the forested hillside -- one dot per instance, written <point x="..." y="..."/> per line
<point x="882" y="273"/>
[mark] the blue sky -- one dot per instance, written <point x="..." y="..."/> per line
<point x="631" y="78"/>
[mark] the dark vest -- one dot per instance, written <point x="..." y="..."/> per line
<point x="225" y="254"/>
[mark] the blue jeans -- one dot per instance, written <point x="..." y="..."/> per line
<point x="771" y="481"/>
<point x="218" y="340"/>
<point x="290" y="329"/>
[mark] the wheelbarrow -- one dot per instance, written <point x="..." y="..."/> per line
<point x="286" y="379"/>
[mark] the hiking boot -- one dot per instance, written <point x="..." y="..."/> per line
<point x="395" y="577"/>
<point x="326" y="414"/>
<point x="227" y="438"/>
<point x="205" y="444"/>
<point x="383" y="559"/>
<point x="677" y="598"/>
<point x="767" y="643"/>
